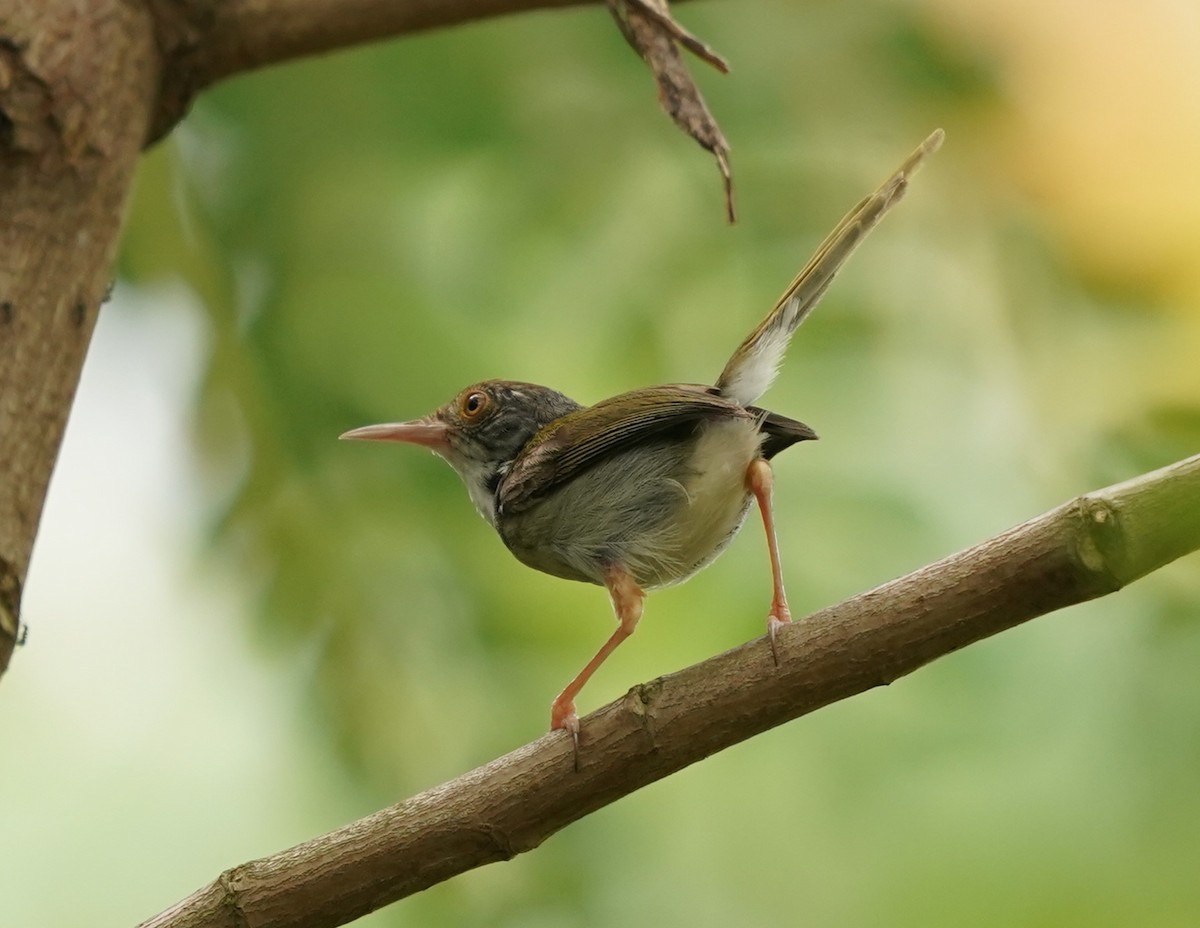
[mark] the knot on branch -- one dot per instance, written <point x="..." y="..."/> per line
<point x="1100" y="543"/>
<point x="640" y="703"/>
<point x="499" y="840"/>
<point x="230" y="882"/>
<point x="26" y="104"/>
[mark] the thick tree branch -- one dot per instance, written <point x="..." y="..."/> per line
<point x="75" y="82"/>
<point x="204" y="41"/>
<point x="1086" y="548"/>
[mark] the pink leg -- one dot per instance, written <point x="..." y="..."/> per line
<point x="760" y="480"/>
<point x="627" y="598"/>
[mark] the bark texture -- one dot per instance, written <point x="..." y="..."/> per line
<point x="77" y="84"/>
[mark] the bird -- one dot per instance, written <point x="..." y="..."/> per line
<point x="642" y="490"/>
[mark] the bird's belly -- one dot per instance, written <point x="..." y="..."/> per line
<point x="660" y="512"/>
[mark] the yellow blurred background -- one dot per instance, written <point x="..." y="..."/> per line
<point x="243" y="633"/>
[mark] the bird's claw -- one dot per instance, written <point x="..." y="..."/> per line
<point x="775" y="621"/>
<point x="563" y="717"/>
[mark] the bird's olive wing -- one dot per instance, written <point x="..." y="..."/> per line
<point x="578" y="440"/>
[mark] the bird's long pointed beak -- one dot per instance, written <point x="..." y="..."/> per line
<point x="429" y="433"/>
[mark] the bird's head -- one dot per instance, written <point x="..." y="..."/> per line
<point x="479" y="433"/>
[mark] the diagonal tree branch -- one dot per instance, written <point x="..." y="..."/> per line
<point x="205" y="41"/>
<point x="1085" y="548"/>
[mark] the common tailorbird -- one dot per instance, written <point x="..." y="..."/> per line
<point x="644" y="489"/>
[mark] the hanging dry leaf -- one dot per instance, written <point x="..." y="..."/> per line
<point x="648" y="26"/>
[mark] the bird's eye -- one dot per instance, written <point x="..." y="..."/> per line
<point x="474" y="404"/>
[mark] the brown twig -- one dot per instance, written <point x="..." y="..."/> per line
<point x="1086" y="548"/>
<point x="648" y="27"/>
<point x="688" y="40"/>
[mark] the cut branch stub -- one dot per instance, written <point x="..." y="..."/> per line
<point x="647" y="26"/>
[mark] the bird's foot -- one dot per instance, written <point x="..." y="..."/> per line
<point x="780" y="616"/>
<point x="562" y="716"/>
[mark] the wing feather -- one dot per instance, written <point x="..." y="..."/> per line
<point x="580" y="439"/>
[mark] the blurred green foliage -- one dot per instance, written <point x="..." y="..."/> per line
<point x="370" y="231"/>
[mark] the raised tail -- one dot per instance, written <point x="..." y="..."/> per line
<point x="756" y="362"/>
